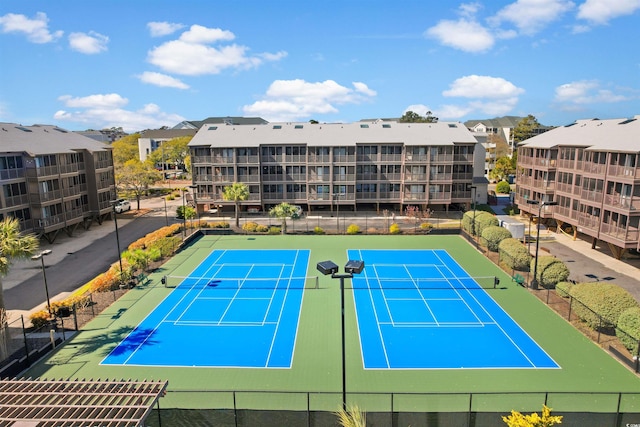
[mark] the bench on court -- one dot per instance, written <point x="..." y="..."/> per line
<point x="518" y="278"/>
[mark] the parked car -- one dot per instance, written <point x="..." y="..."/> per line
<point x="122" y="206"/>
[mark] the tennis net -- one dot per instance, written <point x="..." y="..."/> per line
<point x="465" y="283"/>
<point x="191" y="282"/>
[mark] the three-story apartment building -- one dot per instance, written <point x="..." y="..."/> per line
<point x="591" y="168"/>
<point x="52" y="179"/>
<point x="355" y="166"/>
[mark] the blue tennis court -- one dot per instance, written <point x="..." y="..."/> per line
<point x="238" y="308"/>
<point x="419" y="309"/>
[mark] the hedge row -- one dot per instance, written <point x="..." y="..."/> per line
<point x="154" y="246"/>
<point x="605" y="306"/>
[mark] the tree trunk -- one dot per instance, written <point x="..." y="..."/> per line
<point x="4" y="327"/>
<point x="237" y="214"/>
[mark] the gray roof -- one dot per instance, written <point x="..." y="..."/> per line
<point x="197" y="124"/>
<point x="498" y="122"/>
<point x="603" y="135"/>
<point x="333" y="134"/>
<point x="167" y="133"/>
<point x="44" y="139"/>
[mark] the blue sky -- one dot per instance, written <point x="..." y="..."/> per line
<point x="146" y="64"/>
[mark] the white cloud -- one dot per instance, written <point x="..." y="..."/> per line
<point x="200" y="34"/>
<point x="162" y="80"/>
<point x="36" y="29"/>
<point x="531" y="16"/>
<point x="586" y="92"/>
<point x="291" y="100"/>
<point x="602" y="11"/>
<point x="101" y="111"/>
<point x="88" y="43"/>
<point x="159" y="29"/>
<point x="192" y="53"/>
<point x="463" y="34"/>
<point x="475" y="86"/>
<point x="485" y="95"/>
<point x="109" y="100"/>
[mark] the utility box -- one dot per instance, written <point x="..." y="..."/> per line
<point x="513" y="225"/>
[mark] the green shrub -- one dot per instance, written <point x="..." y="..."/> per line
<point x="185" y="212"/>
<point x="260" y="228"/>
<point x="503" y="187"/>
<point x="606" y="300"/>
<point x="250" y="226"/>
<point x="514" y="254"/>
<point x="482" y="220"/>
<point x="353" y="229"/>
<point x="628" y="329"/>
<point x="395" y="229"/>
<point x="318" y="230"/>
<point x="564" y="289"/>
<point x="550" y="271"/>
<point x="492" y="236"/>
<point x="275" y="230"/>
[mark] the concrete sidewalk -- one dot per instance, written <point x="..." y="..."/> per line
<point x="586" y="264"/>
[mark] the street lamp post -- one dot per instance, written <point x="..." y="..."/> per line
<point x="115" y="221"/>
<point x="534" y="281"/>
<point x="195" y="202"/>
<point x="336" y="198"/>
<point x="184" y="218"/>
<point x="166" y="217"/>
<point x="351" y="267"/>
<point x="40" y="256"/>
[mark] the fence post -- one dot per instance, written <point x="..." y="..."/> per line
<point x="570" y="307"/>
<point x="26" y="345"/>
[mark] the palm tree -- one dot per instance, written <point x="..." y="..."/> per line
<point x="351" y="417"/>
<point x="283" y="211"/>
<point x="13" y="245"/>
<point x="236" y="192"/>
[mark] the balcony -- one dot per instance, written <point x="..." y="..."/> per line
<point x="344" y="177"/>
<point x="591" y="195"/>
<point x="594" y="168"/>
<point x="624" y="235"/>
<point x="11" y="173"/>
<point x="624" y="172"/>
<point x="251" y="160"/>
<point x="416" y="158"/>
<point x="415" y="177"/>
<point x="622" y="202"/>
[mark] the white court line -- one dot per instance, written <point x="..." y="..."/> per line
<point x="433" y="315"/>
<point x="384" y="297"/>
<point x="161" y="321"/>
<point x="284" y="300"/>
<point x="375" y="312"/>
<point x="498" y="325"/>
<point x="235" y="295"/>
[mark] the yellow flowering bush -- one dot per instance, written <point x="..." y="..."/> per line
<point x="39" y="318"/>
<point x="395" y="229"/>
<point x="353" y="229"/>
<point x="516" y="419"/>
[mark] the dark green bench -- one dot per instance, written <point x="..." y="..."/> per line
<point x="141" y="279"/>
<point x="518" y="278"/>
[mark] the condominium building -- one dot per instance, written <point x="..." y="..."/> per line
<point x="53" y="179"/>
<point x="591" y="169"/>
<point x="356" y="166"/>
